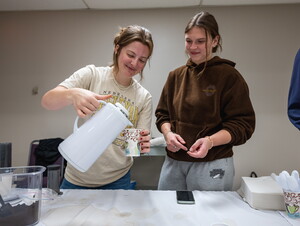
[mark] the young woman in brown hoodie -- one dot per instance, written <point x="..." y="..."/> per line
<point x="204" y="110"/>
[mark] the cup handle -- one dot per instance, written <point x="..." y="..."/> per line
<point x="75" y="127"/>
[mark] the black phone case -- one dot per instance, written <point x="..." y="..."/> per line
<point x="185" y="197"/>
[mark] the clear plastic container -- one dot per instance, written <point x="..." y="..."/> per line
<point x="53" y="178"/>
<point x="20" y="195"/>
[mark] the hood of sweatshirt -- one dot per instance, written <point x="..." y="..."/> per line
<point x="212" y="62"/>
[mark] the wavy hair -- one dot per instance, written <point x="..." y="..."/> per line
<point x="128" y="35"/>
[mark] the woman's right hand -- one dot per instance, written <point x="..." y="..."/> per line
<point x="86" y="102"/>
<point x="174" y="142"/>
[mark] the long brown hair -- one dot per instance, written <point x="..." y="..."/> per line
<point x="208" y="22"/>
<point x="128" y="35"/>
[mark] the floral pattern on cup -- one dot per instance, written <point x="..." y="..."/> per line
<point x="131" y="138"/>
<point x="292" y="203"/>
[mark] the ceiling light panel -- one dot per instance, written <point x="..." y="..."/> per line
<point x="138" y="4"/>
<point x="246" y="2"/>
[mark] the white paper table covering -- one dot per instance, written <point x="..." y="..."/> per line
<point x="145" y="207"/>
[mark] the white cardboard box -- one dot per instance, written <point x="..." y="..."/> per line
<point x="262" y="193"/>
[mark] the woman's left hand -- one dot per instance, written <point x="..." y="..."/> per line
<point x="200" y="148"/>
<point x="144" y="141"/>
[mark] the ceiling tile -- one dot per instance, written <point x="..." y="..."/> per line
<point x="15" y="5"/>
<point x="19" y="5"/>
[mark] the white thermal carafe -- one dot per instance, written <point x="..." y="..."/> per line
<point x="84" y="146"/>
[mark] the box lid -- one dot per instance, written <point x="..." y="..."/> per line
<point x="262" y="193"/>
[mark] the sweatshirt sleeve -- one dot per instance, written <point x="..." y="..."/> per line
<point x="162" y="110"/>
<point x="238" y="112"/>
<point x="81" y="78"/>
<point x="294" y="94"/>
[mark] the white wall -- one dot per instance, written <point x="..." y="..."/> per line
<point x="43" y="48"/>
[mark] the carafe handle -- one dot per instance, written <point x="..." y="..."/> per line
<point x="75" y="128"/>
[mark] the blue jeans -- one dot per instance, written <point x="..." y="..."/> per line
<point x="122" y="183"/>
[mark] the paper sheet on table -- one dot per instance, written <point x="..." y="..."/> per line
<point x="120" y="207"/>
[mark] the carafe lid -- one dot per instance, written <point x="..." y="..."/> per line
<point x="122" y="109"/>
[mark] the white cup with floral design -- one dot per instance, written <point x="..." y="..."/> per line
<point x="131" y="141"/>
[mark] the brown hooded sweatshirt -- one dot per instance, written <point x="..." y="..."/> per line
<point x="199" y="105"/>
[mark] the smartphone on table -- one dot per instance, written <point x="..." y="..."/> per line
<point x="185" y="197"/>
